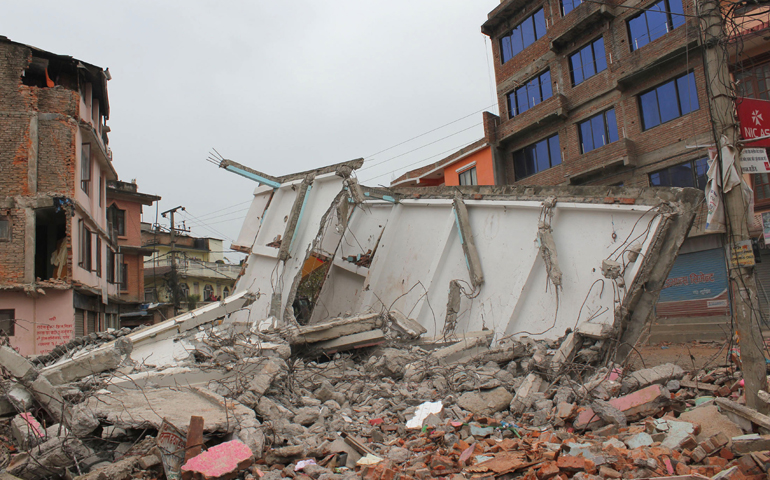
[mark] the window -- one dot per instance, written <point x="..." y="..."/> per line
<point x="537" y="157"/>
<point x="184" y="290"/>
<point x="588" y="61"/>
<point x="124" y="276"/>
<point x="754" y="83"/>
<point x="569" y="5"/>
<point x="101" y="189"/>
<point x="468" y="177"/>
<point x="8" y="322"/>
<point x="120" y="222"/>
<point x="761" y="188"/>
<point x="687" y="174"/>
<point x="208" y="293"/>
<point x="671" y="100"/>
<point x="530" y="94"/>
<point x="5" y="228"/>
<point x="85" y="167"/>
<point x="98" y="256"/>
<point x="225" y="292"/>
<point x="149" y="295"/>
<point x="85" y="252"/>
<point x="110" y="264"/>
<point x="598" y="131"/>
<point x="524" y="35"/>
<point x="656" y="21"/>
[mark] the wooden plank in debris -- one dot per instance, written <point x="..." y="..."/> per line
<point x="751" y="443"/>
<point x="698" y="385"/>
<point x="336" y="328"/>
<point x="744" y="412"/>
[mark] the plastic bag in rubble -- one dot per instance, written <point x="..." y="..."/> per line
<point x="422" y="413"/>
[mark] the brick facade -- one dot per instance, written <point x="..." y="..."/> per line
<point x="628" y="73"/>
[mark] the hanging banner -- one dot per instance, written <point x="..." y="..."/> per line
<point x="766" y="227"/>
<point x="754" y="116"/>
<point x="754" y="160"/>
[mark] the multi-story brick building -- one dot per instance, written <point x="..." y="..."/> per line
<point x="612" y="93"/>
<point x="124" y="215"/>
<point x="56" y="253"/>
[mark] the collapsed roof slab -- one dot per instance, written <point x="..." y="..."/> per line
<point x="416" y="251"/>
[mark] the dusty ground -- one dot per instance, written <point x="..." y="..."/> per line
<point x="689" y="356"/>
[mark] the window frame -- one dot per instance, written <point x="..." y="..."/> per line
<point x="120" y="222"/>
<point x="693" y="168"/>
<point x="509" y="35"/>
<point x="760" y="202"/>
<point x="123" y="277"/>
<point x="513" y="96"/>
<point x="85" y="168"/>
<point x="670" y="22"/>
<point x="751" y="76"/>
<point x="98" y="256"/>
<point x="8" y="236"/>
<point x="470" y="173"/>
<point x="577" y="53"/>
<point x="678" y="101"/>
<point x="574" y="6"/>
<point x="534" y="147"/>
<point x="606" y="124"/>
<point x="11" y="319"/>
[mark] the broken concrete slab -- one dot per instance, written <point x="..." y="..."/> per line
<point x="16" y="364"/>
<point x="108" y="357"/>
<point x="656" y="375"/>
<point x="753" y="442"/>
<point x="268" y="370"/>
<point x="711" y="422"/>
<point x="336" y="328"/>
<point x="470" y="344"/>
<point x="634" y="405"/>
<point x="595" y="330"/>
<point x="408" y="327"/>
<point x="148" y="408"/>
<point x="744" y="412"/>
<point x="27" y="431"/>
<point x="349" y="342"/>
<point x="49" y="397"/>
<point x="48" y="459"/>
<point x="486" y="402"/>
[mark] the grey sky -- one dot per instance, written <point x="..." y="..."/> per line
<point x="278" y="86"/>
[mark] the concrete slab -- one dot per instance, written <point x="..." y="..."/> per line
<point x="634" y="405"/>
<point x="711" y="422"/>
<point x="220" y="461"/>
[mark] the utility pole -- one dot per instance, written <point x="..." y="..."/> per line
<point x="174" y="280"/>
<point x="722" y="107"/>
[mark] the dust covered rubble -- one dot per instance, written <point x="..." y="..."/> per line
<point x="344" y="414"/>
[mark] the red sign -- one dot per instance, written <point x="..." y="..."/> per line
<point x="754" y="116"/>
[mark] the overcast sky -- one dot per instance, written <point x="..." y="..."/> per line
<point x="278" y="86"/>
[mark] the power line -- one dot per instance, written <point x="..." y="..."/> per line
<point x="420" y="161"/>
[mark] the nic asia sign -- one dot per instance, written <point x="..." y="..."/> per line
<point x="754" y="116"/>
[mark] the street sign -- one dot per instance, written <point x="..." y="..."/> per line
<point x="754" y="160"/>
<point x="754" y="116"/>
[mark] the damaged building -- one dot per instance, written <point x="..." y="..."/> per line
<point x="58" y="263"/>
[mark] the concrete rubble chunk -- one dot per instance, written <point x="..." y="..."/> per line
<point x="16" y="364"/>
<point x="468" y="345"/>
<point x="525" y="393"/>
<point x="27" y="431"/>
<point x="269" y="370"/>
<point x="336" y="328"/>
<point x="48" y="459"/>
<point x="710" y="422"/>
<point x="486" y="402"/>
<point x="609" y="413"/>
<point x="656" y="375"/>
<point x="410" y="328"/>
<point x="646" y="401"/>
<point x="107" y="357"/>
<point x="20" y="398"/>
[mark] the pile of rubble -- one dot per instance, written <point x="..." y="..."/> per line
<point x="368" y="397"/>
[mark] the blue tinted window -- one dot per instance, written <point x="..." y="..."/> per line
<point x="669" y="107"/>
<point x="545" y="85"/>
<point x="553" y="147"/>
<point x="505" y="46"/>
<point x="600" y="56"/>
<point x="537" y="157"/>
<point x="539" y="17"/>
<point x="688" y="96"/>
<point x="656" y="21"/>
<point x="650" y="113"/>
<point x="569" y="5"/>
<point x="669" y="101"/>
<point x="687" y="174"/>
<point x="530" y="94"/>
<point x="524" y="35"/>
<point x="612" y="125"/>
<point x="598" y="131"/>
<point x="588" y="61"/>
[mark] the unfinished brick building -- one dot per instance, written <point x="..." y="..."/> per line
<point x="57" y="254"/>
<point x="612" y="93"/>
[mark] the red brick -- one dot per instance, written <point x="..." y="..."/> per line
<point x="571" y="463"/>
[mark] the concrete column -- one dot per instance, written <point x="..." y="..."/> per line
<point x="32" y="156"/>
<point x="29" y="244"/>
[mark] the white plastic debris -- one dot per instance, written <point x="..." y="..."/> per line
<point x="304" y="463"/>
<point x="369" y="459"/>
<point x="422" y="413"/>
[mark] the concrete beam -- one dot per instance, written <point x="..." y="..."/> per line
<point x="295" y="217"/>
<point x="336" y="328"/>
<point x="472" y="259"/>
<point x="250" y="173"/>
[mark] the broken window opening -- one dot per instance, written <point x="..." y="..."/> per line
<point x="37" y="74"/>
<point x="8" y="322"/>
<point x="5" y="228"/>
<point x="314" y="273"/>
<point x="50" y="243"/>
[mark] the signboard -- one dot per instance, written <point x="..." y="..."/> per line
<point x="754" y="116"/>
<point x="171" y="443"/>
<point x="696" y="286"/>
<point x="742" y="254"/>
<point x="754" y="160"/>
